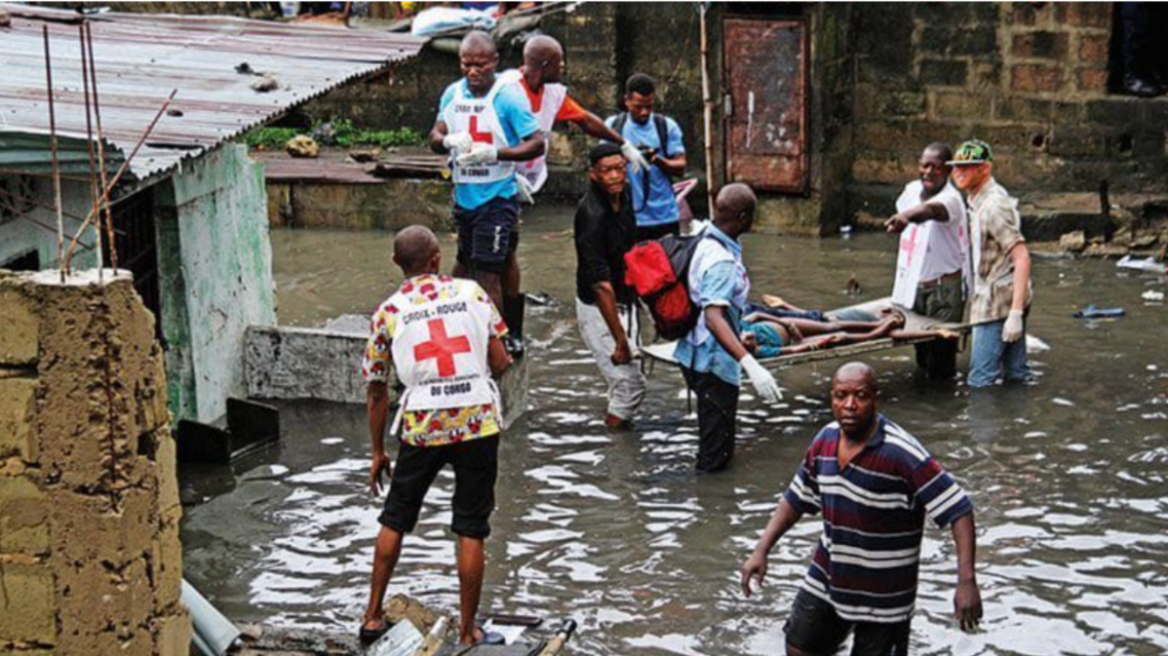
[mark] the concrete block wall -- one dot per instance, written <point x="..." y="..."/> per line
<point x="90" y="560"/>
<point x="1030" y="79"/>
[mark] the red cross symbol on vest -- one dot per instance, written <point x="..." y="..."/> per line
<point x="479" y="137"/>
<point x="441" y="348"/>
<point x="909" y="245"/>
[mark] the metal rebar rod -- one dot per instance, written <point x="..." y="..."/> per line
<point x="61" y="261"/>
<point x="122" y="170"/>
<point x="109" y="217"/>
<point x="94" y="197"/>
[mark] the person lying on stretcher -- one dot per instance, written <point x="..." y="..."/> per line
<point x="768" y="336"/>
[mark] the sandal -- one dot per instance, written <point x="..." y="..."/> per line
<point x="368" y="636"/>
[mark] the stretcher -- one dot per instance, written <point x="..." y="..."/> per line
<point x="663" y="351"/>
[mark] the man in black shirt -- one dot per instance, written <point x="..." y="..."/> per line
<point x="606" y="229"/>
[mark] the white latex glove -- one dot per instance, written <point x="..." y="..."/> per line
<point x="763" y="381"/>
<point x="1012" y="331"/>
<point x="634" y="156"/>
<point x="526" y="190"/>
<point x="458" y="142"/>
<point x="479" y="153"/>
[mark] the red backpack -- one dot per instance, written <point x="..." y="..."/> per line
<point x="658" y="271"/>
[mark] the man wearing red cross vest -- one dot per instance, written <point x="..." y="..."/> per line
<point x="442" y="336"/>
<point x="486" y="126"/>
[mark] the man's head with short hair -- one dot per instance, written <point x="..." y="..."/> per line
<point x="607" y="168"/>
<point x="934" y="168"/>
<point x="478" y="58"/>
<point x="544" y="57"/>
<point x="416" y="251"/>
<point x="734" y="209"/>
<point x="854" y="397"/>
<point x="972" y="166"/>
<point x="640" y="95"/>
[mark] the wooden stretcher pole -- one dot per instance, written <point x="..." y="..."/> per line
<point x="708" y="110"/>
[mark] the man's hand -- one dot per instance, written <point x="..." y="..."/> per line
<point x="381" y="465"/>
<point x="525" y="190"/>
<point x="755" y="567"/>
<point x="634" y="157"/>
<point x="479" y="153"/>
<point x="459" y="142"/>
<point x="1012" y="331"/>
<point x="763" y="381"/>
<point x="896" y="223"/>
<point x="967" y="605"/>
<point x="622" y="354"/>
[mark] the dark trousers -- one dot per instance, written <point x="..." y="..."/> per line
<point x="1143" y="45"/>
<point x="944" y="301"/>
<point x="717" y="412"/>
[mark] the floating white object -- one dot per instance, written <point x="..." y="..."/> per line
<point x="1147" y="264"/>
<point x="213" y="634"/>
<point x="1152" y="295"/>
<point x="1036" y="345"/>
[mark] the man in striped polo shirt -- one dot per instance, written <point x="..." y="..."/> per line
<point x="875" y="485"/>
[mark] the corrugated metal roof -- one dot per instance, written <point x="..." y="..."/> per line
<point x="140" y="58"/>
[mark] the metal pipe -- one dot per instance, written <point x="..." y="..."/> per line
<point x="94" y="198"/>
<point x="61" y="261"/>
<point x="122" y="170"/>
<point x="109" y="217"/>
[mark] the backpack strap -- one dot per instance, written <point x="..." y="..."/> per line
<point x="662" y="133"/>
<point x="619" y="125"/>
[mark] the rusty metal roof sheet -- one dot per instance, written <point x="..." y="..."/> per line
<point x="140" y="58"/>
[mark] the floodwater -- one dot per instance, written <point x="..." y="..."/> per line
<point x="1067" y="475"/>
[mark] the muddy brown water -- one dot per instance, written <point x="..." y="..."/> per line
<point x="1067" y="475"/>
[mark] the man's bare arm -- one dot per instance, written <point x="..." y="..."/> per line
<point x="531" y="147"/>
<point x="967" y="599"/>
<point x="781" y="521"/>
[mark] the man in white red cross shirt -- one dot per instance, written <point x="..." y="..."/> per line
<point x="442" y="336"/>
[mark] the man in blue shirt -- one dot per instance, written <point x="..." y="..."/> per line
<point x="712" y="354"/>
<point x="659" y="139"/>
<point x="486" y="125"/>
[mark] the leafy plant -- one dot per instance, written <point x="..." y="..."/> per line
<point x="341" y="133"/>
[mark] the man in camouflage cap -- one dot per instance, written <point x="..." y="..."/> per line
<point x="1001" y="262"/>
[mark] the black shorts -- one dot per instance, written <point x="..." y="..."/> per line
<point x="488" y="234"/>
<point x="816" y="629"/>
<point x="476" y="465"/>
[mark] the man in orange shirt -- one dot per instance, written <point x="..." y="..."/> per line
<point x="541" y="79"/>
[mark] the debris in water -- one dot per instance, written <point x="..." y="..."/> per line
<point x="854" y="288"/>
<point x="1152" y="295"/>
<point x="1092" y="312"/>
<point x="1147" y="264"/>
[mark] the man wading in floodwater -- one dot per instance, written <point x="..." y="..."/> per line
<point x="444" y="337"/>
<point x="486" y="125"/>
<point x="875" y="485"/>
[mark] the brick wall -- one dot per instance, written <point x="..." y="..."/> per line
<point x="1030" y="80"/>
<point x="90" y="559"/>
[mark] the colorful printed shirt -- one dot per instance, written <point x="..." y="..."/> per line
<point x="996" y="229"/>
<point x="874" y="513"/>
<point x="430" y="427"/>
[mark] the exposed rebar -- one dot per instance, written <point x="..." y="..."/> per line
<point x="61" y="259"/>
<point x="94" y="197"/>
<point x="109" y="218"/>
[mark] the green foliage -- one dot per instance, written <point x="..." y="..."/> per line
<point x="341" y="133"/>
<point x="269" y="138"/>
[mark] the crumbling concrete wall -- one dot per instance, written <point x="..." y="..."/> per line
<point x="215" y="272"/>
<point x="1030" y="78"/>
<point x="90" y="559"/>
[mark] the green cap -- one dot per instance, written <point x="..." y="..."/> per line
<point x="972" y="152"/>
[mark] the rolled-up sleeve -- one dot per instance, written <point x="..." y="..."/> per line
<point x="717" y="285"/>
<point x="1001" y="221"/>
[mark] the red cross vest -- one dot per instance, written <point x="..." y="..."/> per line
<point x="477" y="116"/>
<point x="552" y="99"/>
<point x="440" y="348"/>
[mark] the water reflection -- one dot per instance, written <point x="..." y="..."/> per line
<point x="614" y="530"/>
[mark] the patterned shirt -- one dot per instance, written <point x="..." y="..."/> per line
<point x="997" y="227"/>
<point x="874" y="513"/>
<point x="430" y="427"/>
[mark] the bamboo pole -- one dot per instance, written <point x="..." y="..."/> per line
<point x="61" y="261"/>
<point x="708" y="111"/>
